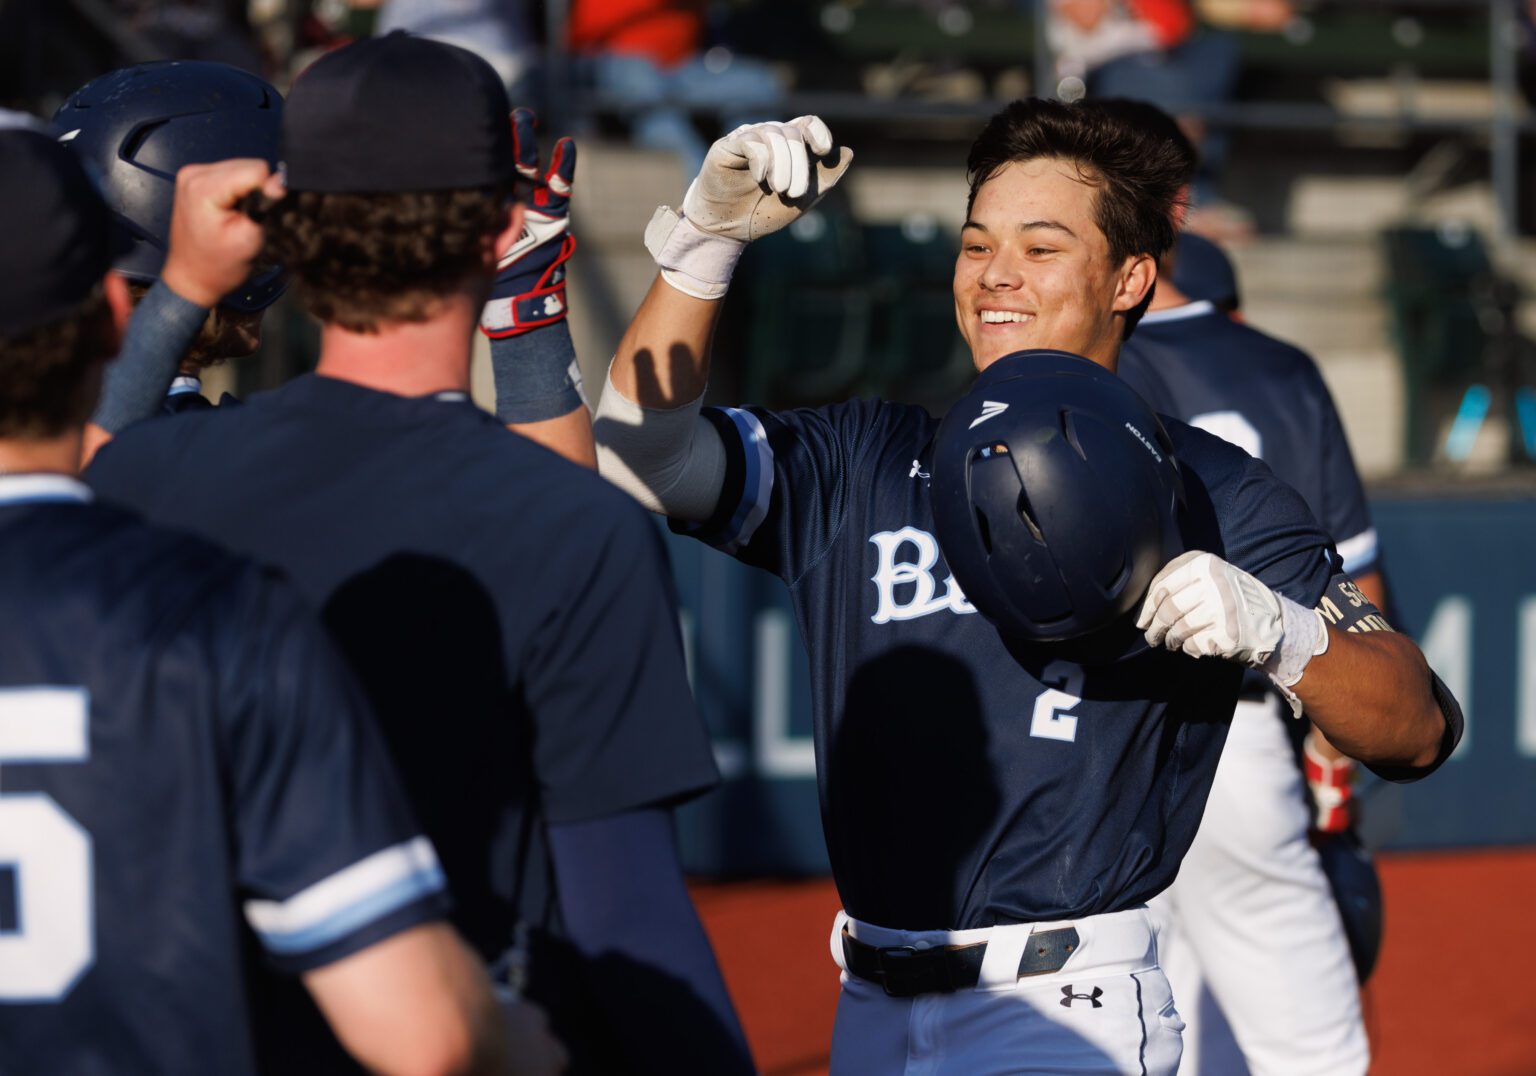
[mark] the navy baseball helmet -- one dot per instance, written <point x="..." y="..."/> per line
<point x="1357" y="890"/>
<point x="137" y="126"/>
<point x="1202" y="270"/>
<point x="1056" y="498"/>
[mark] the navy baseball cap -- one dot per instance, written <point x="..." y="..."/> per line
<point x="1202" y="270"/>
<point x="58" y="232"/>
<point x="397" y="113"/>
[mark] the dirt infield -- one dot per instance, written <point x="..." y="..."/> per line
<point x="1454" y="994"/>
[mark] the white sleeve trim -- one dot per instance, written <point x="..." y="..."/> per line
<point x="671" y="460"/>
<point x="348" y="900"/>
<point x="1360" y="550"/>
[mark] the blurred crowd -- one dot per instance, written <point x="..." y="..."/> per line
<point x="672" y="74"/>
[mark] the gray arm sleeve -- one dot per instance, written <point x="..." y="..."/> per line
<point x="162" y="328"/>
<point x="671" y="460"/>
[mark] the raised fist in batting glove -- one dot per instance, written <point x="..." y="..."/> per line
<point x="529" y="292"/>
<point x="1206" y="607"/>
<point x="755" y="180"/>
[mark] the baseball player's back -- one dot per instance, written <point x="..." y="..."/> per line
<point x="1266" y="397"/>
<point x="173" y="731"/>
<point x="508" y="613"/>
<point x="1252" y="939"/>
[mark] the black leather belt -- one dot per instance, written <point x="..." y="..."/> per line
<point x="904" y="971"/>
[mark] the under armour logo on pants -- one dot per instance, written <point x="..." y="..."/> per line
<point x="1067" y="997"/>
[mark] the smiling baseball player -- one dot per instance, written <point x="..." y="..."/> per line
<point x="997" y="815"/>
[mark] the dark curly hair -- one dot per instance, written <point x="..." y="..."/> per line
<point x="1132" y="153"/>
<point x="50" y="376"/>
<point x="358" y="260"/>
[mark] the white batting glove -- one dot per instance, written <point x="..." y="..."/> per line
<point x="755" y="180"/>
<point x="1206" y="607"/>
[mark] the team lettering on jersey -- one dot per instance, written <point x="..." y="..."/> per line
<point x="894" y="572"/>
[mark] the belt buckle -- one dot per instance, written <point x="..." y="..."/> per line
<point x="921" y="976"/>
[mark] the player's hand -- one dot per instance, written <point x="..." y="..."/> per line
<point x="534" y="1048"/>
<point x="1331" y="781"/>
<point x="755" y="180"/>
<point x="529" y="292"/>
<point x="761" y="176"/>
<point x="213" y="243"/>
<point x="1206" y="607"/>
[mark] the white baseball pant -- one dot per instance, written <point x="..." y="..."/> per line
<point x="1250" y="936"/>
<point x="1107" y="1011"/>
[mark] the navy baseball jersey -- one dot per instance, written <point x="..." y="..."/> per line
<point x="963" y="784"/>
<point x="185" y="764"/>
<point x="1264" y="396"/>
<point x="509" y="613"/>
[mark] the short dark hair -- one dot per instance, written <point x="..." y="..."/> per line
<point x="1138" y="167"/>
<point x="50" y="376"/>
<point x="358" y="260"/>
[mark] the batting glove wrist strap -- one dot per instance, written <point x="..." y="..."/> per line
<point x="543" y="303"/>
<point x="1331" y="782"/>
<point x="1305" y="636"/>
<point x="695" y="262"/>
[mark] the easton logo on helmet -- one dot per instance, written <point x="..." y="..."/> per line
<point x="989" y="409"/>
<point x="1158" y="456"/>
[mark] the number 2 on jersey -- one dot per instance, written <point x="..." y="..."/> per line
<point x="48" y="939"/>
<point x="1052" y="719"/>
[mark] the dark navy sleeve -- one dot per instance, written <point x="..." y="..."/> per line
<point x="788" y="481"/>
<point x="1137" y="370"/>
<point x="1266" y="528"/>
<point x="616" y="727"/>
<point x="329" y="860"/>
<point x="624" y="901"/>
<point x="1344" y="513"/>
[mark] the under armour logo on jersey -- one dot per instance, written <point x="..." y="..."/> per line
<point x="918" y="574"/>
<point x="989" y="409"/>
<point x="1067" y="997"/>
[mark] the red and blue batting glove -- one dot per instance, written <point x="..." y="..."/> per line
<point x="1331" y="783"/>
<point x="529" y="292"/>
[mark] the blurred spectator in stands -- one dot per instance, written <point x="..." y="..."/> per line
<point x="214" y="30"/>
<point x="498" y="30"/>
<point x="1158" y="51"/>
<point x="647" y="57"/>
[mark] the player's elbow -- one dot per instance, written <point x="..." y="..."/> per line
<point x="1411" y="733"/>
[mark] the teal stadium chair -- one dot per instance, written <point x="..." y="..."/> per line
<point x="1453" y="317"/>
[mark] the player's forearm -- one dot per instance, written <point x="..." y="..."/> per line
<point x="417" y="1002"/>
<point x="569" y="435"/>
<point x="1374" y="587"/>
<point x="1371" y="695"/>
<point x="663" y="359"/>
<point x="648" y="960"/>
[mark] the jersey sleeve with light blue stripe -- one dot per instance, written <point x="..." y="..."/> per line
<point x="330" y="859"/>
<point x="789" y="479"/>
<point x="349" y="901"/>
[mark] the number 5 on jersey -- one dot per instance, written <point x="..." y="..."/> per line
<point x="46" y="917"/>
<point x="1052" y="719"/>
